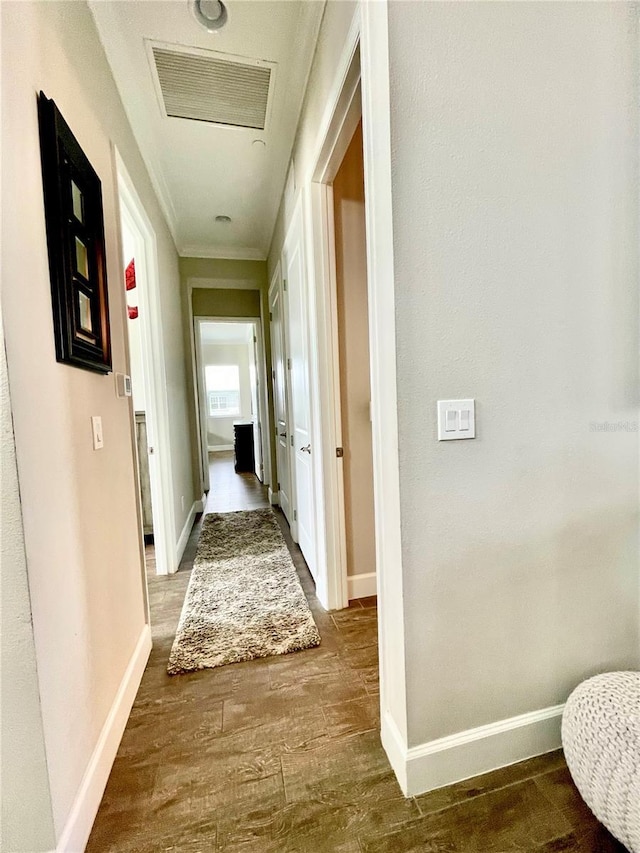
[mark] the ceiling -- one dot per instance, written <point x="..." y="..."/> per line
<point x="226" y="333"/>
<point x="201" y="170"/>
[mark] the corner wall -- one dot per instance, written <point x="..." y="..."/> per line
<point x="515" y="207"/>
<point x="24" y="778"/>
<point x="83" y="545"/>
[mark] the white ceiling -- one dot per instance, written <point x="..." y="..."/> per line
<point x="226" y="333"/>
<point x="201" y="170"/>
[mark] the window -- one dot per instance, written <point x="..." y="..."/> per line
<point x="223" y="390"/>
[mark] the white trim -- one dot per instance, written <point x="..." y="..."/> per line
<point x="229" y="253"/>
<point x="77" y="829"/>
<point x="208" y="283"/>
<point x="343" y="86"/>
<point x="200" y="505"/>
<point x="463" y="755"/>
<point x="132" y="213"/>
<point x="362" y="586"/>
<point x="214" y="448"/>
<point x="376" y="128"/>
<point x="186" y="532"/>
<point x="274" y="497"/>
<point x="396" y="749"/>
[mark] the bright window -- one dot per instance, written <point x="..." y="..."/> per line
<point x="223" y="389"/>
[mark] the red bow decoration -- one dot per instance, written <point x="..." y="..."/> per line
<point x="130" y="275"/>
<point x="133" y="311"/>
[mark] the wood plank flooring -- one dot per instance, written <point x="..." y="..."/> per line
<point x="282" y="755"/>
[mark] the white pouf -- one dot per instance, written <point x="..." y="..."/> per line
<point x="601" y="741"/>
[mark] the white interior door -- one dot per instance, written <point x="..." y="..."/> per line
<point x="283" y="486"/>
<point x="294" y="272"/>
<point x="254" y="383"/>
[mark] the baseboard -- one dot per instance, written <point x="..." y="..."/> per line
<point x="77" y="829"/>
<point x="215" y="447"/>
<point x="200" y="505"/>
<point x="274" y="497"/>
<point x="469" y="753"/>
<point x="186" y="532"/>
<point x="361" y="586"/>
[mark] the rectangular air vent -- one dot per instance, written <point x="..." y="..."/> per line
<point x="206" y="86"/>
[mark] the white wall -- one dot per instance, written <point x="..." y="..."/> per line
<point x="24" y="781"/>
<point x="515" y="205"/>
<point x="331" y="39"/>
<point x="79" y="506"/>
<point x="220" y="430"/>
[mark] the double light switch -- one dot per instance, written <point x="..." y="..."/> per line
<point x="456" y="419"/>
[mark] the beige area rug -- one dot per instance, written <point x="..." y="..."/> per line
<point x="244" y="598"/>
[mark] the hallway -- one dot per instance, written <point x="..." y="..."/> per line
<point x="283" y="755"/>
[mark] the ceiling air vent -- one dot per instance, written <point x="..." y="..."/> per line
<point x="207" y="86"/>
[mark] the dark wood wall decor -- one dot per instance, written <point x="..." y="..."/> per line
<point x="75" y="241"/>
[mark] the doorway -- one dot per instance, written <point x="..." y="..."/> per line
<point x="229" y="382"/>
<point x="352" y="314"/>
<point x="147" y="379"/>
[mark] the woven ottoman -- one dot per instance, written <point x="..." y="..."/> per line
<point x="601" y="742"/>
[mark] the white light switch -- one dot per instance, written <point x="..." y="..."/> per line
<point x="456" y="419"/>
<point x="96" y="427"/>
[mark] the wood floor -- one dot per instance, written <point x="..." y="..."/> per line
<point x="282" y="755"/>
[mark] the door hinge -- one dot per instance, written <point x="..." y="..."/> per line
<point x="277" y="487"/>
<point x="339" y="452"/>
<point x="288" y="364"/>
<point x="271" y="315"/>
<point x="255" y="340"/>
<point x="284" y="283"/>
<point x="291" y="440"/>
<point x="273" y="375"/>
<point x="295" y="515"/>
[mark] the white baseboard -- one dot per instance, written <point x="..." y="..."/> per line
<point x="186" y="532"/>
<point x="274" y="497"/>
<point x="77" y="829"/>
<point x="215" y="447"/>
<point x="465" y="754"/>
<point x="200" y="505"/>
<point x="361" y="586"/>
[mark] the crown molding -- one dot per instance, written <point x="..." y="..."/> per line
<point x="230" y="253"/>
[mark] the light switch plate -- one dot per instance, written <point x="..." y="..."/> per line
<point x="96" y="428"/>
<point x="456" y="419"/>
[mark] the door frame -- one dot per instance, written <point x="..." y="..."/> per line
<point x="132" y="213"/>
<point x="197" y="283"/>
<point x="363" y="69"/>
<point x="340" y="126"/>
<point x="198" y="383"/>
<point x="277" y="283"/>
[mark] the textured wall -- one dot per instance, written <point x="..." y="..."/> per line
<point x="79" y="506"/>
<point x="24" y="779"/>
<point x="515" y="204"/>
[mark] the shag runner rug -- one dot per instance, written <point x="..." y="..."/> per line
<point x="244" y="598"/>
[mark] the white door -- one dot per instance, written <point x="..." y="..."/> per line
<point x="295" y="279"/>
<point x="254" y="384"/>
<point x="283" y="486"/>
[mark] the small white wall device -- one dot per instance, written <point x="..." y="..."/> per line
<point x="123" y="385"/>
<point x="456" y="419"/>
